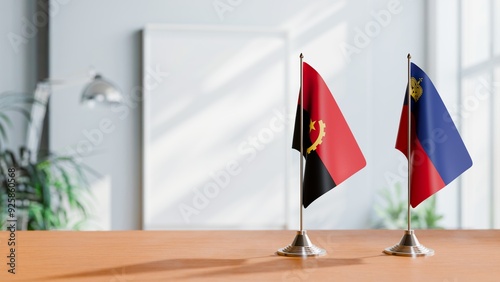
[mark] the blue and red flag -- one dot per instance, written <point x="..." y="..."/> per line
<point x="438" y="152"/>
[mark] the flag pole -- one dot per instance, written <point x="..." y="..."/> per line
<point x="301" y="245"/>
<point x="409" y="142"/>
<point x="301" y="204"/>
<point x="409" y="246"/>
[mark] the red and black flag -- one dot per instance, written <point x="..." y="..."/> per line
<point x="332" y="154"/>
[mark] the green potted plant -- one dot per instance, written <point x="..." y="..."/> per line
<point x="392" y="211"/>
<point x="48" y="192"/>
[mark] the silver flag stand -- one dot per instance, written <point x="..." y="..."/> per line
<point x="301" y="245"/>
<point x="409" y="245"/>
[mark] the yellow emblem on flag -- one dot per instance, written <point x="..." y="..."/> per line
<point x="321" y="134"/>
<point x="416" y="89"/>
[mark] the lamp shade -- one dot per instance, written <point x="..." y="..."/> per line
<point x="102" y="91"/>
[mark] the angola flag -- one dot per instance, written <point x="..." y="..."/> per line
<point x="330" y="150"/>
<point x="438" y="152"/>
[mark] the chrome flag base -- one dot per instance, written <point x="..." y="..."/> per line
<point x="301" y="247"/>
<point x="409" y="247"/>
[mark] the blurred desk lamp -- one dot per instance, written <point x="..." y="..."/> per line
<point x="101" y="91"/>
<point x="97" y="90"/>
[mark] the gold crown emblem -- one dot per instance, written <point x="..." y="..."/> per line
<point x="416" y="89"/>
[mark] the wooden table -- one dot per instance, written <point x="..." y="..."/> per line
<point x="461" y="255"/>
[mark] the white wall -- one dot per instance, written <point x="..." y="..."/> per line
<point x="464" y="63"/>
<point x="17" y="58"/>
<point x="369" y="87"/>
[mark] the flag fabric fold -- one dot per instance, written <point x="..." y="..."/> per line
<point x="331" y="152"/>
<point x="438" y="153"/>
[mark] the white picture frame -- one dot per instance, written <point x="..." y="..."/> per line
<point x="216" y="138"/>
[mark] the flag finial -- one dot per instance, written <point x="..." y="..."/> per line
<point x="409" y="56"/>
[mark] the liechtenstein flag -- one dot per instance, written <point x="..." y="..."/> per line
<point x="438" y="154"/>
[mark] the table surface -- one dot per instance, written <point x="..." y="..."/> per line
<point x="353" y="255"/>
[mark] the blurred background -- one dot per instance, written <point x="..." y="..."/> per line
<point x="201" y="138"/>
